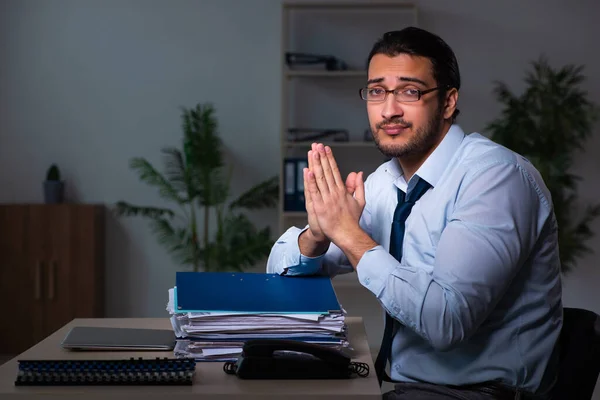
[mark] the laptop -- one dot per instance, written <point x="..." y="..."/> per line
<point x="132" y="339"/>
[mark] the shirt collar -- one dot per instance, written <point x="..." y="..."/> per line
<point x="431" y="170"/>
<point x="433" y="167"/>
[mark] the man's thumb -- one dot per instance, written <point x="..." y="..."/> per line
<point x="359" y="192"/>
<point x="351" y="182"/>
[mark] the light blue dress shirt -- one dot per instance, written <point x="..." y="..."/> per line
<point x="478" y="290"/>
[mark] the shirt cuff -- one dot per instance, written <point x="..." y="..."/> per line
<point x="374" y="268"/>
<point x="301" y="264"/>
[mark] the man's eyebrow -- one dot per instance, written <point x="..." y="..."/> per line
<point x="400" y="78"/>
<point x="374" y="80"/>
<point x="410" y="79"/>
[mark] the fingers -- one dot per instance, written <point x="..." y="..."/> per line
<point x="322" y="162"/>
<point x="324" y="155"/>
<point x="307" y="198"/>
<point x="351" y="182"/>
<point x="311" y="189"/>
<point x="313" y="148"/>
<point x="333" y="167"/>
<point x="311" y="158"/>
<point x="314" y="165"/>
<point x="317" y="170"/>
<point x="359" y="193"/>
<point x="310" y="209"/>
<point x="355" y="185"/>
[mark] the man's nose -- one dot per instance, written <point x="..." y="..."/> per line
<point x="391" y="108"/>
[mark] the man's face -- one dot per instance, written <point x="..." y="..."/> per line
<point x="404" y="129"/>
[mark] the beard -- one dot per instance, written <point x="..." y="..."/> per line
<point x="423" y="139"/>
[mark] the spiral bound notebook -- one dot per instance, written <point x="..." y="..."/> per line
<point x="166" y="371"/>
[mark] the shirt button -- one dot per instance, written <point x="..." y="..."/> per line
<point x="367" y="281"/>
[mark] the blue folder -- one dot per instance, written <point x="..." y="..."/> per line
<point x="253" y="293"/>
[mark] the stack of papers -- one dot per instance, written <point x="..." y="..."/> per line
<point x="213" y="327"/>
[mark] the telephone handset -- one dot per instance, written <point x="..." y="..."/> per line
<point x="292" y="359"/>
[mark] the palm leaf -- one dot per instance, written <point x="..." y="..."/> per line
<point x="251" y="250"/>
<point x="176" y="172"/>
<point x="244" y="243"/>
<point x="151" y="176"/>
<point x="176" y="240"/>
<point x="262" y="195"/>
<point x="202" y="145"/>
<point x="123" y="208"/>
<point x="203" y="153"/>
<point x="216" y="190"/>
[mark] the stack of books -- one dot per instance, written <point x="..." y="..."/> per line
<point x="214" y="313"/>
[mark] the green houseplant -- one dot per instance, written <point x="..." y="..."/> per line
<point x="549" y="123"/>
<point x="205" y="232"/>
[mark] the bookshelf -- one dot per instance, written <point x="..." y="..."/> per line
<point x="313" y="97"/>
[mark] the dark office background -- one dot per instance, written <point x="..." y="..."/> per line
<point x="90" y="84"/>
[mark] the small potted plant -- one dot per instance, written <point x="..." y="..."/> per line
<point x="53" y="186"/>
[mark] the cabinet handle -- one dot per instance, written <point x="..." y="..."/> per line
<point x="37" y="284"/>
<point x="51" y="280"/>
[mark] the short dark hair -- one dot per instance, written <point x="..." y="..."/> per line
<point x="419" y="42"/>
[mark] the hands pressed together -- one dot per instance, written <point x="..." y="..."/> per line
<point x="334" y="207"/>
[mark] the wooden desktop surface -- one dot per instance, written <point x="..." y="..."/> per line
<point x="210" y="381"/>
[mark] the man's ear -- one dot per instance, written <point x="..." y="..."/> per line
<point x="451" y="103"/>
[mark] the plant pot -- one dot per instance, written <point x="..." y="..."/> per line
<point x="53" y="192"/>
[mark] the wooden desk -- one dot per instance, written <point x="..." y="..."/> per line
<point x="210" y="381"/>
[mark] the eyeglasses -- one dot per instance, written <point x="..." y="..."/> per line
<point x="379" y="94"/>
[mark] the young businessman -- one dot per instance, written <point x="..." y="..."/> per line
<point x="470" y="279"/>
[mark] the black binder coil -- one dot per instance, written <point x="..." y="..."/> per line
<point x="230" y="367"/>
<point x="106" y="372"/>
<point x="359" y="368"/>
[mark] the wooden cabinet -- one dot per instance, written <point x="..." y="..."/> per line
<point x="51" y="269"/>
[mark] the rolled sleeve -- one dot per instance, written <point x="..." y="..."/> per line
<point x="285" y="257"/>
<point x="374" y="268"/>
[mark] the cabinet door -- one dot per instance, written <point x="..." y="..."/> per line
<point x="73" y="253"/>
<point x="21" y="283"/>
<point x="50" y="227"/>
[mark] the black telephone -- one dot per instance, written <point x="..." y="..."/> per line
<point x="291" y="359"/>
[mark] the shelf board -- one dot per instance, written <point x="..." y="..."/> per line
<point x="293" y="214"/>
<point x="324" y="5"/>
<point x="356" y="143"/>
<point x="325" y="74"/>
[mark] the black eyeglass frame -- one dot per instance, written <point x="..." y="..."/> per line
<point x="420" y="93"/>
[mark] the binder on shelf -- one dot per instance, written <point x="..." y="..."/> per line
<point x="254" y="293"/>
<point x="301" y="163"/>
<point x="293" y="183"/>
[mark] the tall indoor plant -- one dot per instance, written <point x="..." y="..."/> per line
<point x="197" y="180"/>
<point x="549" y="124"/>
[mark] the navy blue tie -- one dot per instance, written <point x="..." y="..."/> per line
<point x="396" y="238"/>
